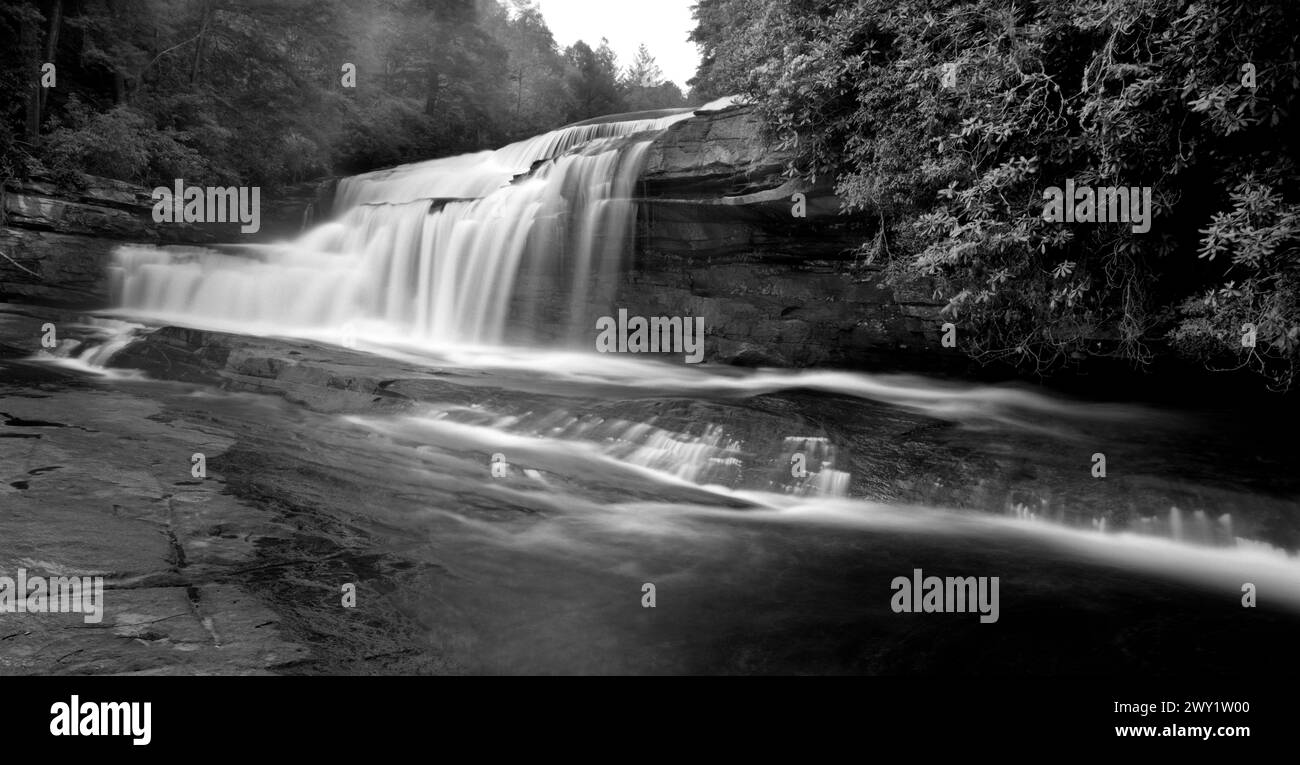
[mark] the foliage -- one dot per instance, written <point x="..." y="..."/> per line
<point x="252" y="92"/>
<point x="1107" y="92"/>
<point x="123" y="143"/>
<point x="593" y="80"/>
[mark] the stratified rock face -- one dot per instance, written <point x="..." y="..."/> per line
<point x="719" y="237"/>
<point x="55" y="242"/>
<point x="104" y="208"/>
<point x="49" y="268"/>
<point x="712" y="155"/>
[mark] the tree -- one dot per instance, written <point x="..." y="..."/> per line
<point x="644" y="71"/>
<point x="1125" y="92"/>
<point x="643" y="86"/>
<point x="250" y="91"/>
<point x="592" y="81"/>
<point x="535" y="69"/>
<point x="726" y="32"/>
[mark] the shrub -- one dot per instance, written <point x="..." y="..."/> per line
<point x="122" y="143"/>
<point x="1108" y="92"/>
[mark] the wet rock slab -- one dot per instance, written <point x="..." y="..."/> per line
<point x="98" y="486"/>
<point x="458" y="573"/>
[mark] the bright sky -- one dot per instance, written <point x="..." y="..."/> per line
<point x="661" y="24"/>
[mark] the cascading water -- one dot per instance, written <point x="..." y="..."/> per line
<point x="462" y="263"/>
<point x="513" y="498"/>
<point x="440" y="253"/>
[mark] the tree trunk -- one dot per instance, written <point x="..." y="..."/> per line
<point x="119" y="88"/>
<point x="120" y="93"/>
<point x="519" y="96"/>
<point x="433" y="86"/>
<point x="198" y="46"/>
<point x="51" y="48"/>
<point x="30" y="50"/>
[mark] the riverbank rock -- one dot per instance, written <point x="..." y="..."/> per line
<point x="771" y="263"/>
<point x="56" y="240"/>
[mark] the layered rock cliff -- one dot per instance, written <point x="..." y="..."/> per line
<point x="778" y="277"/>
<point x="55" y="241"/>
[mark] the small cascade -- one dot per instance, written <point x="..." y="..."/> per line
<point x="559" y="441"/>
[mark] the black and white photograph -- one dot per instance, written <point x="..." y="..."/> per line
<point x="946" y="340"/>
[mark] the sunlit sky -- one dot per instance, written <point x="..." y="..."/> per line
<point x="661" y="24"/>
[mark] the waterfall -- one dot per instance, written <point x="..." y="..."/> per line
<point x="446" y="252"/>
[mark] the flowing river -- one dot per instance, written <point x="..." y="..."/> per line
<point x="402" y="405"/>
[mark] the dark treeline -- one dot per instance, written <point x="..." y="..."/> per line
<point x="253" y="91"/>
<point x="946" y="120"/>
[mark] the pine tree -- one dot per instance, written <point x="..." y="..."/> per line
<point x="644" y="71"/>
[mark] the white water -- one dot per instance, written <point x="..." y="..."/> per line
<point x="432" y="262"/>
<point x="100" y="340"/>
<point x="433" y="253"/>
<point x="473" y="176"/>
<point x="695" y="476"/>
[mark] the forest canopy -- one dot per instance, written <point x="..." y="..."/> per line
<point x="255" y="92"/>
<point x="946" y="120"/>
